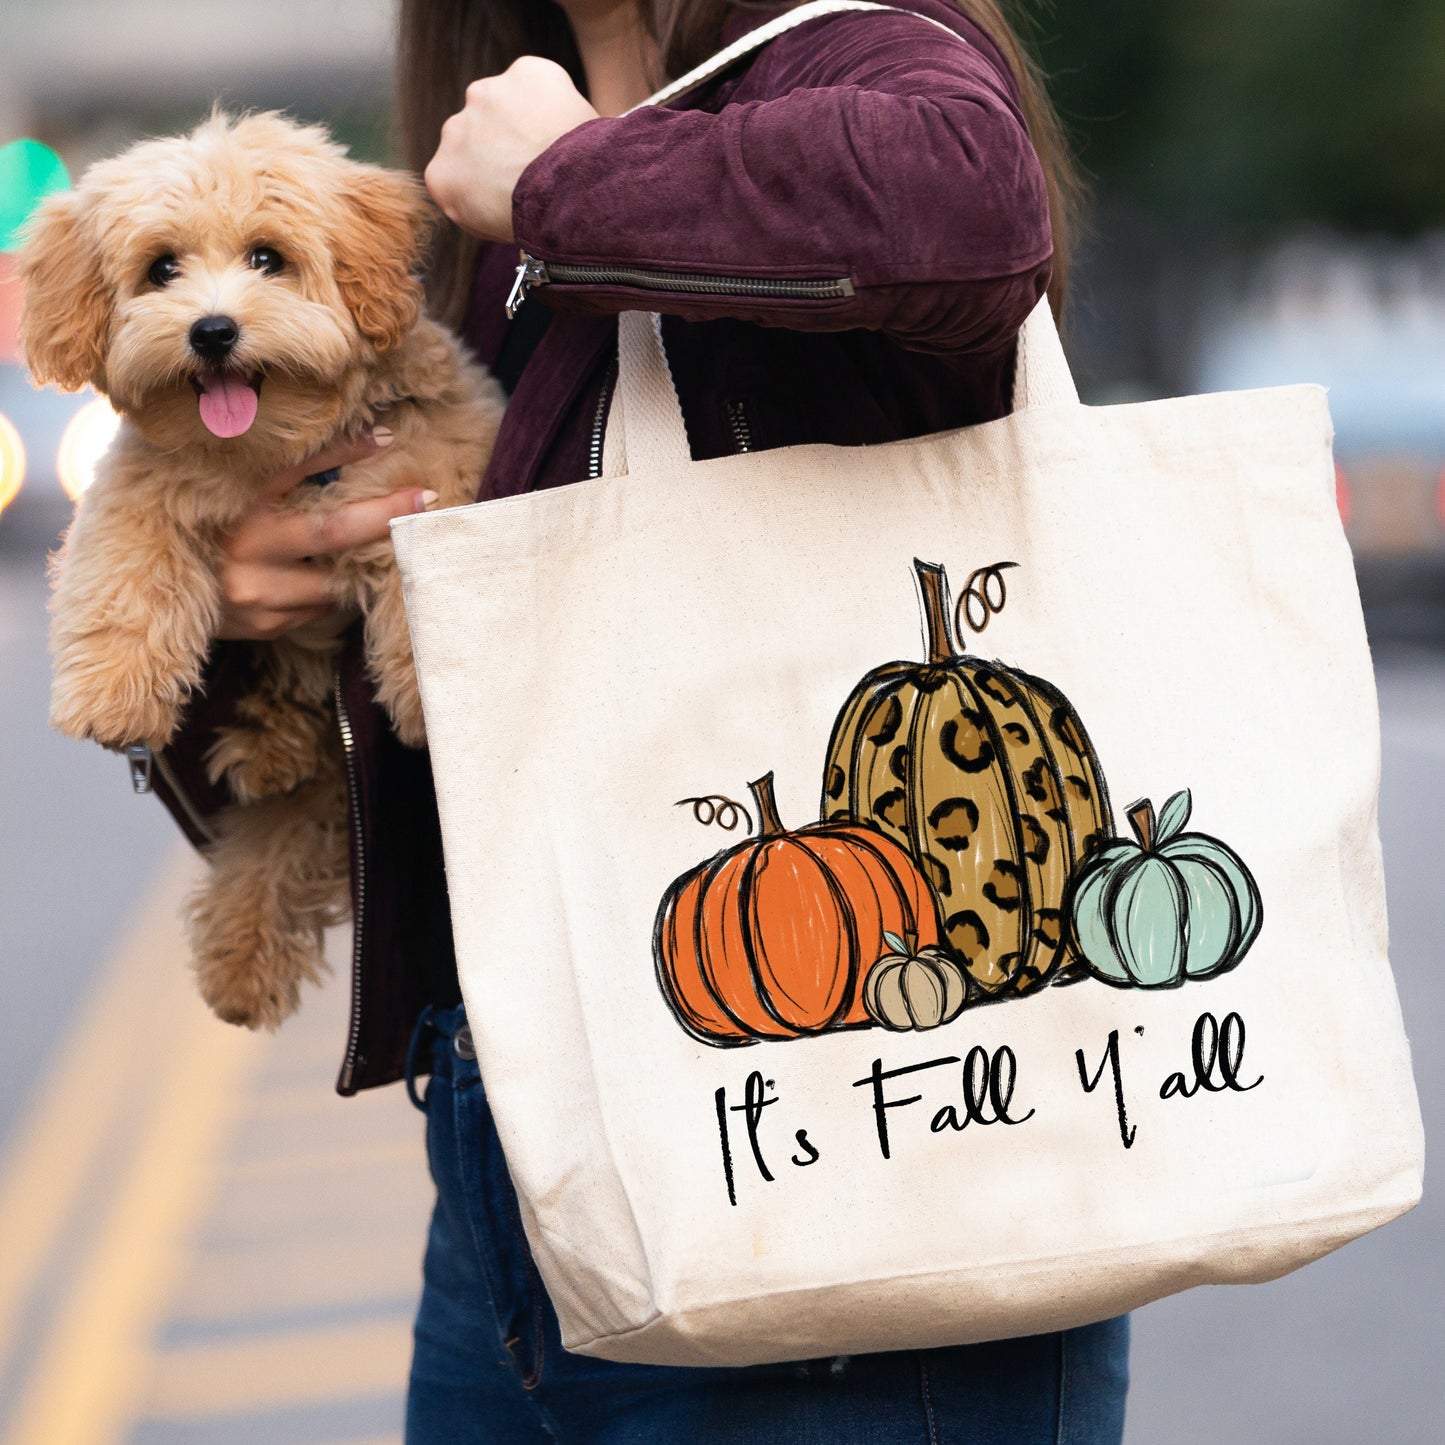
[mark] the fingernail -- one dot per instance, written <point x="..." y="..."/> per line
<point x="427" y="498"/>
<point x="383" y="436"/>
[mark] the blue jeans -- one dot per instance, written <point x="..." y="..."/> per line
<point x="489" y="1363"/>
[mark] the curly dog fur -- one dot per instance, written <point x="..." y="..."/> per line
<point x="330" y="337"/>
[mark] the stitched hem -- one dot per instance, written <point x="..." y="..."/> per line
<point x="928" y="1416"/>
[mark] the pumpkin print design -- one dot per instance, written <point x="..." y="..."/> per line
<point x="986" y="776"/>
<point x="914" y="988"/>
<point x="1171" y="907"/>
<point x="774" y="938"/>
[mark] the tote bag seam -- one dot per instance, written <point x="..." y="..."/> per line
<point x="1342" y="1021"/>
<point x="646" y="1283"/>
<point x="1390" y="1208"/>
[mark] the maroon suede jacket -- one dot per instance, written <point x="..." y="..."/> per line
<point x="844" y="234"/>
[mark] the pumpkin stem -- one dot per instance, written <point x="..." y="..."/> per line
<point x="769" y="824"/>
<point x="1141" y="819"/>
<point x="934" y="582"/>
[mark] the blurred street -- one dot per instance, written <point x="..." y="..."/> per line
<point x="203" y="1245"/>
<point x="200" y="1243"/>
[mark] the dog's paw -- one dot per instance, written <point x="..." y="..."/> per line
<point x="255" y="981"/>
<point x="257" y="764"/>
<point x="110" y="707"/>
<point x="250" y="1007"/>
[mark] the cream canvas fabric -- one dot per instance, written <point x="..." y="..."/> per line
<point x="721" y="1157"/>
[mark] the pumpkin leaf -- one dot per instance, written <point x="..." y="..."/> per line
<point x="895" y="943"/>
<point x="1173" y="816"/>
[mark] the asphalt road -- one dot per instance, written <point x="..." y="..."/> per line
<point x="1350" y="1350"/>
<point x="77" y="850"/>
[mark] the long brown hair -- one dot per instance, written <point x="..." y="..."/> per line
<point x="446" y="44"/>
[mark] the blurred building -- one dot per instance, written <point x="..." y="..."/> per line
<point x="90" y="75"/>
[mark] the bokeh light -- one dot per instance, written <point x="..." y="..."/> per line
<point x="29" y="171"/>
<point x="86" y="439"/>
<point x="12" y="461"/>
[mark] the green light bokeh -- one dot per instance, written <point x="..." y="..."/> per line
<point x="29" y="171"/>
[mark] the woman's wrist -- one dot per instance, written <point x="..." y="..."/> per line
<point x="486" y="147"/>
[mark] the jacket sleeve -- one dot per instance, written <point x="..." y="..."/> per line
<point x="179" y="777"/>
<point x="883" y="153"/>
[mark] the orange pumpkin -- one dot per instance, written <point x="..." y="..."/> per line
<point x="772" y="939"/>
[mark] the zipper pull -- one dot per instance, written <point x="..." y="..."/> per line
<point x="140" y="759"/>
<point x="531" y="272"/>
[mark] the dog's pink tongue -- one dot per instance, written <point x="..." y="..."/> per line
<point x="228" y="403"/>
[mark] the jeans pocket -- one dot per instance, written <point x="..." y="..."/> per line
<point x="1093" y="1383"/>
<point x="489" y="1202"/>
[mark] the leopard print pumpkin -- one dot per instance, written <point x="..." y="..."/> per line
<point x="986" y="775"/>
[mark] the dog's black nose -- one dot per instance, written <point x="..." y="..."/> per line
<point x="212" y="337"/>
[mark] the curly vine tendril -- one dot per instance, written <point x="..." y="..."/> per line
<point x="982" y="601"/>
<point x="717" y="809"/>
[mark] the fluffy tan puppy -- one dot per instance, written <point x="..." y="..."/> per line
<point x="243" y="295"/>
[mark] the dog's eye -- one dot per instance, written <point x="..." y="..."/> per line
<point x="163" y="270"/>
<point x="265" y="259"/>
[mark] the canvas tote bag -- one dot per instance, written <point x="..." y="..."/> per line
<point x="835" y="987"/>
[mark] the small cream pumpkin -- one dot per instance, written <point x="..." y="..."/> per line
<point x="914" y="988"/>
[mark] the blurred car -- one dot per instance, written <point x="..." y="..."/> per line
<point x="1367" y="320"/>
<point x="45" y="422"/>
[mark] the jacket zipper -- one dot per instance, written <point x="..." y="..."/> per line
<point x="358" y="901"/>
<point x="742" y="427"/>
<point x="533" y="273"/>
<point x="599" y="423"/>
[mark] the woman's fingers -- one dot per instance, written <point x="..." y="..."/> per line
<point x="319" y="533"/>
<point x="340" y="453"/>
<point x="267" y="624"/>
<point x="507" y="122"/>
<point x="269" y="582"/>
<point x="257" y="587"/>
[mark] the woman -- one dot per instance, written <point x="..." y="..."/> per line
<point x="915" y="175"/>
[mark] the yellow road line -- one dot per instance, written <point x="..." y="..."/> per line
<point x="91" y="1369"/>
<point x="300" y="1274"/>
<point x="293" y="1101"/>
<point x="56" y="1146"/>
<point x="313" y="1367"/>
<point x="370" y="1161"/>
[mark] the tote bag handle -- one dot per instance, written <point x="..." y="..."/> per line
<point x="645" y="425"/>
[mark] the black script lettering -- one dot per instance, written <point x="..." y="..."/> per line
<point x="1207" y="1057"/>
<point x="983" y="1079"/>
<point x="881" y="1105"/>
<point x="720" y="1100"/>
<point x="1127" y="1131"/>
<point x="755" y="1100"/>
<point x="806" y="1144"/>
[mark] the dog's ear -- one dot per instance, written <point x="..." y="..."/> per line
<point x="66" y="310"/>
<point x="377" y="250"/>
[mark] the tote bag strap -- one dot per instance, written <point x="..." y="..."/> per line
<point x="645" y="428"/>
<point x="756" y="39"/>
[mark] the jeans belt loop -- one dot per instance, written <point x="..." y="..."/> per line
<point x="413" y="1055"/>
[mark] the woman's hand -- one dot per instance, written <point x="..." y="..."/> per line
<point x="508" y="121"/>
<point x="270" y="580"/>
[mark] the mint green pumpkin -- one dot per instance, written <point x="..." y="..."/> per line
<point x="1171" y="907"/>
